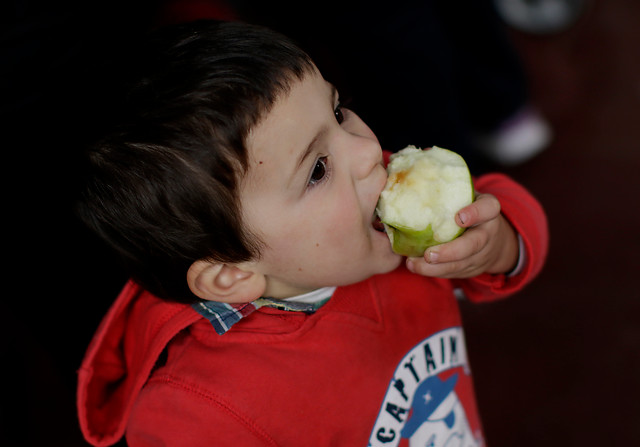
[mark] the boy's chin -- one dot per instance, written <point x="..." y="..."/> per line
<point x="390" y="261"/>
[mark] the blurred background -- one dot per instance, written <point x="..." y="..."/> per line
<point x="547" y="91"/>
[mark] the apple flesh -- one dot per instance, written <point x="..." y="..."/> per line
<point x="424" y="191"/>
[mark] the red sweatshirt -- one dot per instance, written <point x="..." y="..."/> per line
<point x="383" y="363"/>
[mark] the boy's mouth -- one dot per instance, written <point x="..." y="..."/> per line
<point x="377" y="223"/>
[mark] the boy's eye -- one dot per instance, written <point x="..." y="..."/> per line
<point x="338" y="113"/>
<point x="319" y="171"/>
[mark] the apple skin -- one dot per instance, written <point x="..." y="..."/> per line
<point x="408" y="241"/>
<point x="412" y="243"/>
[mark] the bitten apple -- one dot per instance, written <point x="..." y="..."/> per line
<point x="424" y="191"/>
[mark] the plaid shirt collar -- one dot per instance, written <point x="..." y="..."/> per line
<point x="223" y="315"/>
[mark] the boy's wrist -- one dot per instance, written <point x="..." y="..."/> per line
<point x="522" y="259"/>
<point x="509" y="257"/>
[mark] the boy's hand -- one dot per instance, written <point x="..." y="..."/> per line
<point x="490" y="245"/>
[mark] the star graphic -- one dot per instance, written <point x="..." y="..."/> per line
<point x="427" y="397"/>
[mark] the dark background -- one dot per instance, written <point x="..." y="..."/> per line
<point x="557" y="364"/>
<point x="560" y="363"/>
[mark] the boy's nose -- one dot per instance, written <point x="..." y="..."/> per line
<point x="367" y="156"/>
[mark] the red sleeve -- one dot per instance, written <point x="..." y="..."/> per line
<point x="528" y="218"/>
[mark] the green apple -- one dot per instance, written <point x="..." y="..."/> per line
<point x="424" y="191"/>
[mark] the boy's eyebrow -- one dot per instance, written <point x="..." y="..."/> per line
<point x="333" y="93"/>
<point x="309" y="149"/>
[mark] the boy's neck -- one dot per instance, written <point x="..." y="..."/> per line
<point x="314" y="296"/>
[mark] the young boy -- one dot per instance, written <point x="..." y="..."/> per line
<point x="266" y="307"/>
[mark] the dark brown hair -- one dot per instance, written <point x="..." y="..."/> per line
<point x="161" y="183"/>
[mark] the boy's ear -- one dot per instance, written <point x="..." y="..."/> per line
<point x="226" y="283"/>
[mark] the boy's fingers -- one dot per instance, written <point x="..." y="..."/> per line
<point x="470" y="243"/>
<point x="459" y="269"/>
<point x="455" y="258"/>
<point x="485" y="207"/>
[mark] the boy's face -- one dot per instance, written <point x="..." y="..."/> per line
<point x="314" y="178"/>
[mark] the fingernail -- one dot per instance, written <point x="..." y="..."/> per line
<point x="462" y="217"/>
<point x="410" y="266"/>
<point x="432" y="257"/>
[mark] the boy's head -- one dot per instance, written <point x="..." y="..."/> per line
<point x="185" y="183"/>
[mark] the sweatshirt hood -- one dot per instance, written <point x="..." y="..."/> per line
<point x="120" y="359"/>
